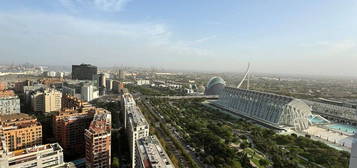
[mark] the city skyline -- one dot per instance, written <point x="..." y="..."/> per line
<point x="295" y="37"/>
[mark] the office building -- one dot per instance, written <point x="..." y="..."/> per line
<point x="83" y="72"/>
<point x="19" y="131"/>
<point x="19" y="86"/>
<point x="102" y="80"/>
<point x="121" y="75"/>
<point x="102" y="83"/>
<point x="9" y="102"/>
<point x="49" y="155"/>
<point x="68" y="91"/>
<point x="150" y="153"/>
<point x="109" y="84"/>
<point x="117" y="86"/>
<point x="98" y="140"/>
<point x="69" y="127"/>
<point x="266" y="108"/>
<point x="47" y="100"/>
<point x="29" y="90"/>
<point x="89" y="92"/>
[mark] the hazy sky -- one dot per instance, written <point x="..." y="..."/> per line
<point x="276" y="36"/>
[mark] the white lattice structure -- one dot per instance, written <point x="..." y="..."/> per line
<point x="333" y="110"/>
<point x="272" y="109"/>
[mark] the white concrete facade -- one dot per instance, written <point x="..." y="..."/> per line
<point x="275" y="110"/>
<point x="49" y="155"/>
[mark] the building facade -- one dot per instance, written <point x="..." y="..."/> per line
<point x="9" y="103"/>
<point x="117" y="86"/>
<point x="142" y="82"/>
<point x="145" y="151"/>
<point x="109" y="84"/>
<point x="102" y="80"/>
<point x="74" y="103"/>
<point x="137" y="128"/>
<point x="149" y="153"/>
<point x="69" y="127"/>
<point x="47" y="100"/>
<point x="49" y="155"/>
<point x="19" y="131"/>
<point x="89" y="92"/>
<point x="127" y="101"/>
<point x="267" y="108"/>
<point x="29" y="90"/>
<point x="84" y="72"/>
<point x="98" y="140"/>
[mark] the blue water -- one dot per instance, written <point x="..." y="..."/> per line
<point x="316" y="120"/>
<point x="344" y="128"/>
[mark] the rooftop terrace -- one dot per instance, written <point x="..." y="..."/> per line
<point x="152" y="153"/>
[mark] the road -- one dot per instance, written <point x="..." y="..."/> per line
<point x="154" y="112"/>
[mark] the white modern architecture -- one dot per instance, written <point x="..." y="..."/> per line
<point x="49" y="155"/>
<point x="89" y="92"/>
<point x="267" y="108"/>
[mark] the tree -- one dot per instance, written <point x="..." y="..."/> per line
<point x="263" y="162"/>
<point x="115" y="163"/>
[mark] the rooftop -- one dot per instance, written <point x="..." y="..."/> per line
<point x="15" y="117"/>
<point x="128" y="98"/>
<point x="53" y="147"/>
<point x="101" y="122"/>
<point x="152" y="153"/>
<point x="7" y="94"/>
<point x="285" y="99"/>
<point x="136" y="116"/>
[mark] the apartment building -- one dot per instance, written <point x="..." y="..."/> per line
<point x="47" y="100"/>
<point x="98" y="140"/>
<point x="19" y="131"/>
<point x="49" y="155"/>
<point x="137" y="128"/>
<point x="69" y="127"/>
<point x="127" y="101"/>
<point x="150" y="153"/>
<point x="9" y="102"/>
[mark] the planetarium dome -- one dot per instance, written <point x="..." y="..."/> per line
<point x="214" y="86"/>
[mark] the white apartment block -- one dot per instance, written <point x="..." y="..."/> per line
<point x="144" y="149"/>
<point x="9" y="105"/>
<point x="127" y="101"/>
<point x="89" y="92"/>
<point x="49" y="155"/>
<point x="137" y="128"/>
<point x="150" y="153"/>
